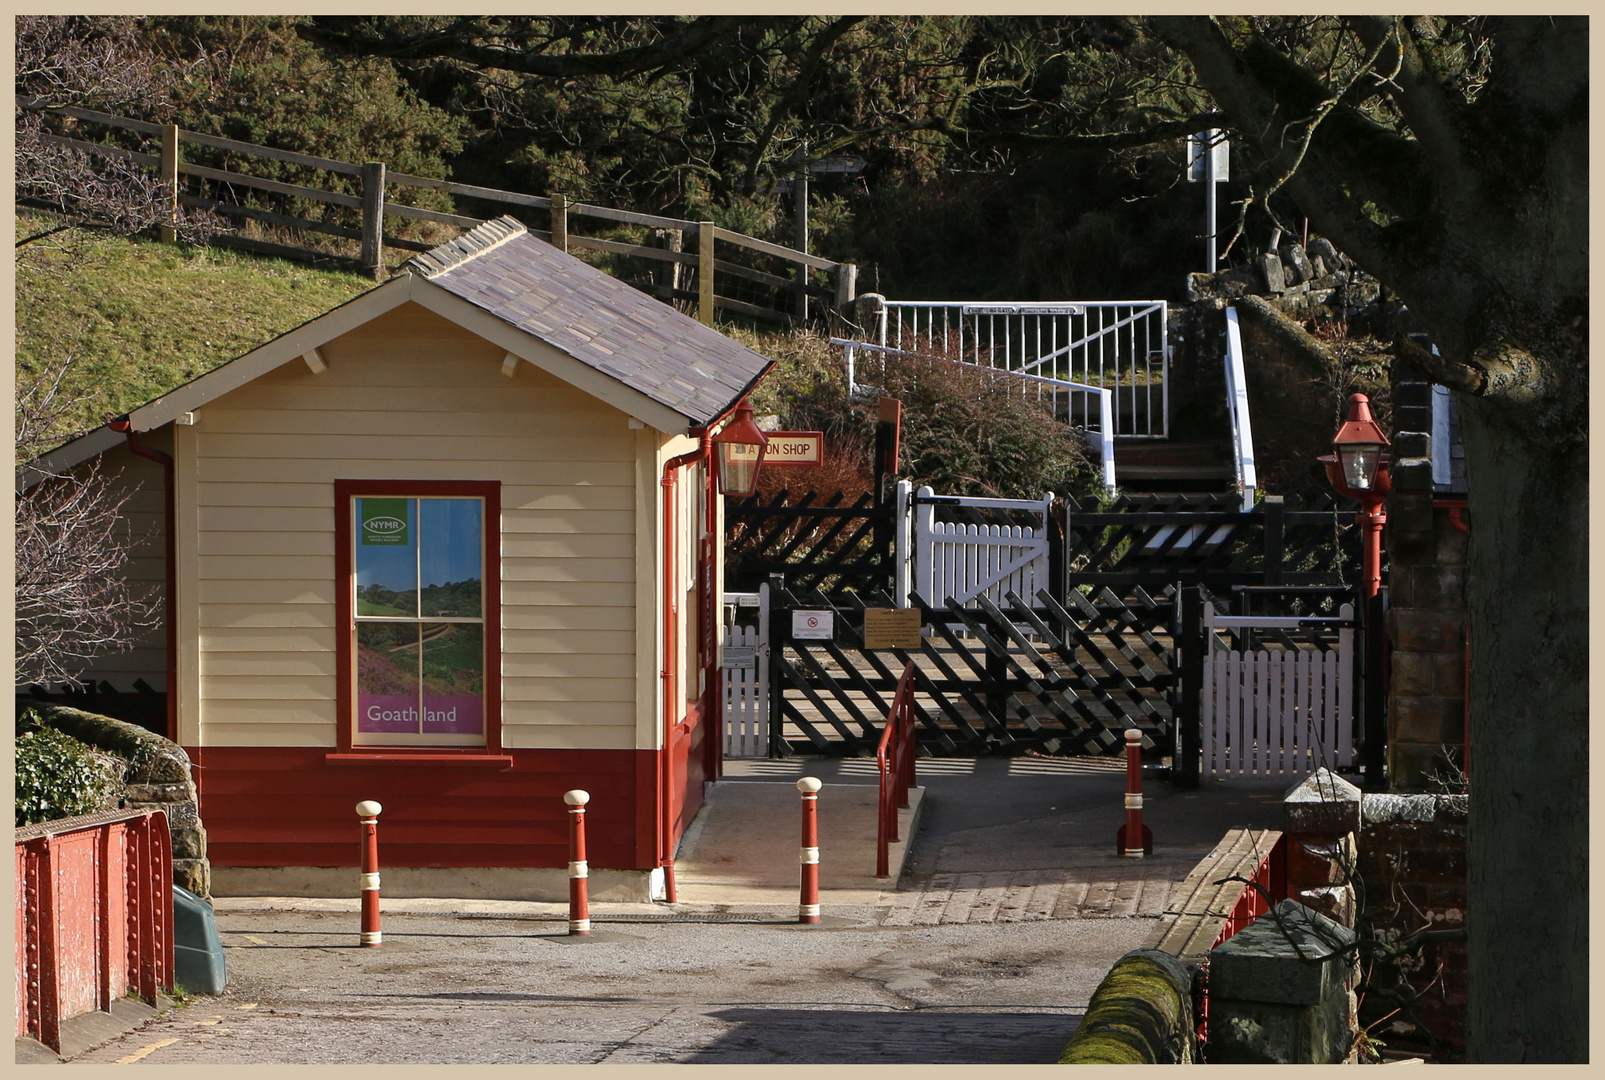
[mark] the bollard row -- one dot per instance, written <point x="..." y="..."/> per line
<point x="579" y="913"/>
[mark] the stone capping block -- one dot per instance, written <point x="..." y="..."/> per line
<point x="1398" y="809"/>
<point x="1321" y="803"/>
<point x="1291" y="955"/>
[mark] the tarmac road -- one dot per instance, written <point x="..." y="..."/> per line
<point x="504" y="988"/>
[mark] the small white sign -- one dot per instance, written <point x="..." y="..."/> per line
<point x="813" y="625"/>
<point x="746" y="601"/>
<point x="740" y="656"/>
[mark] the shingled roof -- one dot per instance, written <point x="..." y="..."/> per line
<point x="593" y="317"/>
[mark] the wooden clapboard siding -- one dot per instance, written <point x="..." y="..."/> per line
<point x="289" y="592"/>
<point x="249" y="542"/>
<point x="433" y="815"/>
<point x="410" y="396"/>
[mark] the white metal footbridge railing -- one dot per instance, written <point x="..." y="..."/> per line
<point x="1118" y="345"/>
<point x="1096" y="419"/>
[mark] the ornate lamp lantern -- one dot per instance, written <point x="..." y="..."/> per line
<point x="741" y="451"/>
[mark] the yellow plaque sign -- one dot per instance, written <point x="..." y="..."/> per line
<point x="891" y="628"/>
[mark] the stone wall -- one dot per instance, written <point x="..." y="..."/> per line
<point x="158" y="778"/>
<point x="1427" y="619"/>
<point x="1412" y="861"/>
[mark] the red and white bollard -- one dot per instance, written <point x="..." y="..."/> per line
<point x="579" y="871"/>
<point x="808" y="905"/>
<point x="368" y="813"/>
<point x="1134" y="839"/>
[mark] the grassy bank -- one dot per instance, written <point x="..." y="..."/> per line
<point x="141" y="317"/>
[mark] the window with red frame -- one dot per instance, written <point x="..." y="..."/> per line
<point x="418" y="579"/>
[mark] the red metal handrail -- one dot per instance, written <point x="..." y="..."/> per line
<point x="894" y="758"/>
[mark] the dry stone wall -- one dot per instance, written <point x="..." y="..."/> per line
<point x="158" y="777"/>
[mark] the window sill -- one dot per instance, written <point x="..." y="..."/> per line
<point x="432" y="759"/>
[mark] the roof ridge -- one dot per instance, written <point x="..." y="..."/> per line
<point x="486" y="236"/>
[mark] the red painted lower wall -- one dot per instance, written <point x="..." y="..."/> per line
<point x="289" y="806"/>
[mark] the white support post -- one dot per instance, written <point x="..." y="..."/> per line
<point x="924" y="548"/>
<point x="902" y="539"/>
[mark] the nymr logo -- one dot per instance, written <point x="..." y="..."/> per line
<point x="384" y="522"/>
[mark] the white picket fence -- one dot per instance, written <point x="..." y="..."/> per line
<point x="745" y="664"/>
<point x="964" y="561"/>
<point x="1277" y="714"/>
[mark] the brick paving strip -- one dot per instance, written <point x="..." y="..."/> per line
<point x="1132" y="888"/>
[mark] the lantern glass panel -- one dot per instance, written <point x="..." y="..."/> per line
<point x="738" y="467"/>
<point x="1359" y="463"/>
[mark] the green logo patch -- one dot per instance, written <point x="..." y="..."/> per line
<point x="384" y="522"/>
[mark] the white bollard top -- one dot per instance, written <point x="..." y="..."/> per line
<point x="576" y="797"/>
<point x="808" y="785"/>
<point x="1133" y="735"/>
<point x="368" y="808"/>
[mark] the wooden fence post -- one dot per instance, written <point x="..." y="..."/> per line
<point x="373" y="219"/>
<point x="1189" y="726"/>
<point x="846" y="288"/>
<point x="779" y="633"/>
<point x="168" y="233"/>
<point x="560" y="221"/>
<point x="799" y="194"/>
<point x="1275" y="524"/>
<point x="670" y="274"/>
<point x="705" y="273"/>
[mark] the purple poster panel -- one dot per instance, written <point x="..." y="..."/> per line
<point x="454" y="678"/>
<point x="387" y="678"/>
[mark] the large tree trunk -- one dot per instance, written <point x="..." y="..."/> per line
<point x="1527" y="906"/>
<point x="1474" y="207"/>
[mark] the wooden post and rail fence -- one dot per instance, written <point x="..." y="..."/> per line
<point x="674" y="275"/>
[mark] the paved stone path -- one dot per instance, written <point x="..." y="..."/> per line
<point x="1137" y="888"/>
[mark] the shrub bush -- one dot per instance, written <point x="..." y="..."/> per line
<point x="57" y="776"/>
<point x="965" y="431"/>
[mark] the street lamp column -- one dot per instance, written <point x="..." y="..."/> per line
<point x="1358" y="468"/>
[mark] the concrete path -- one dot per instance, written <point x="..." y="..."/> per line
<point x="1011" y="907"/>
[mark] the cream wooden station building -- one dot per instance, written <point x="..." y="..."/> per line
<point x="451" y="546"/>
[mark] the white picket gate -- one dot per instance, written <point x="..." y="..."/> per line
<point x="1276" y="713"/>
<point x="745" y="666"/>
<point x="963" y="561"/>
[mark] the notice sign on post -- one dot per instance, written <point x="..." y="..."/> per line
<point x="891" y="628"/>
<point x="813" y="625"/>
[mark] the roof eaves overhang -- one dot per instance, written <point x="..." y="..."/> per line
<point x="549" y="358"/>
<point x="67" y="456"/>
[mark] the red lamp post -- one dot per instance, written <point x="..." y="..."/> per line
<point x="1359" y="469"/>
<point x="741" y="451"/>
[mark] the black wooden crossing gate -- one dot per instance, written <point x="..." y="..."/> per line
<point x="1065" y="671"/>
<point x="1056" y="678"/>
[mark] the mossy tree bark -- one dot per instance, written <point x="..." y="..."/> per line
<point x="1473" y="205"/>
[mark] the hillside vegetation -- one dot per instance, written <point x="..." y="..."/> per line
<point x="139" y="317"/>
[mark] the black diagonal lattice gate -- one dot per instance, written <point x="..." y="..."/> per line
<point x="1048" y="677"/>
<point x="1065" y="671"/>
